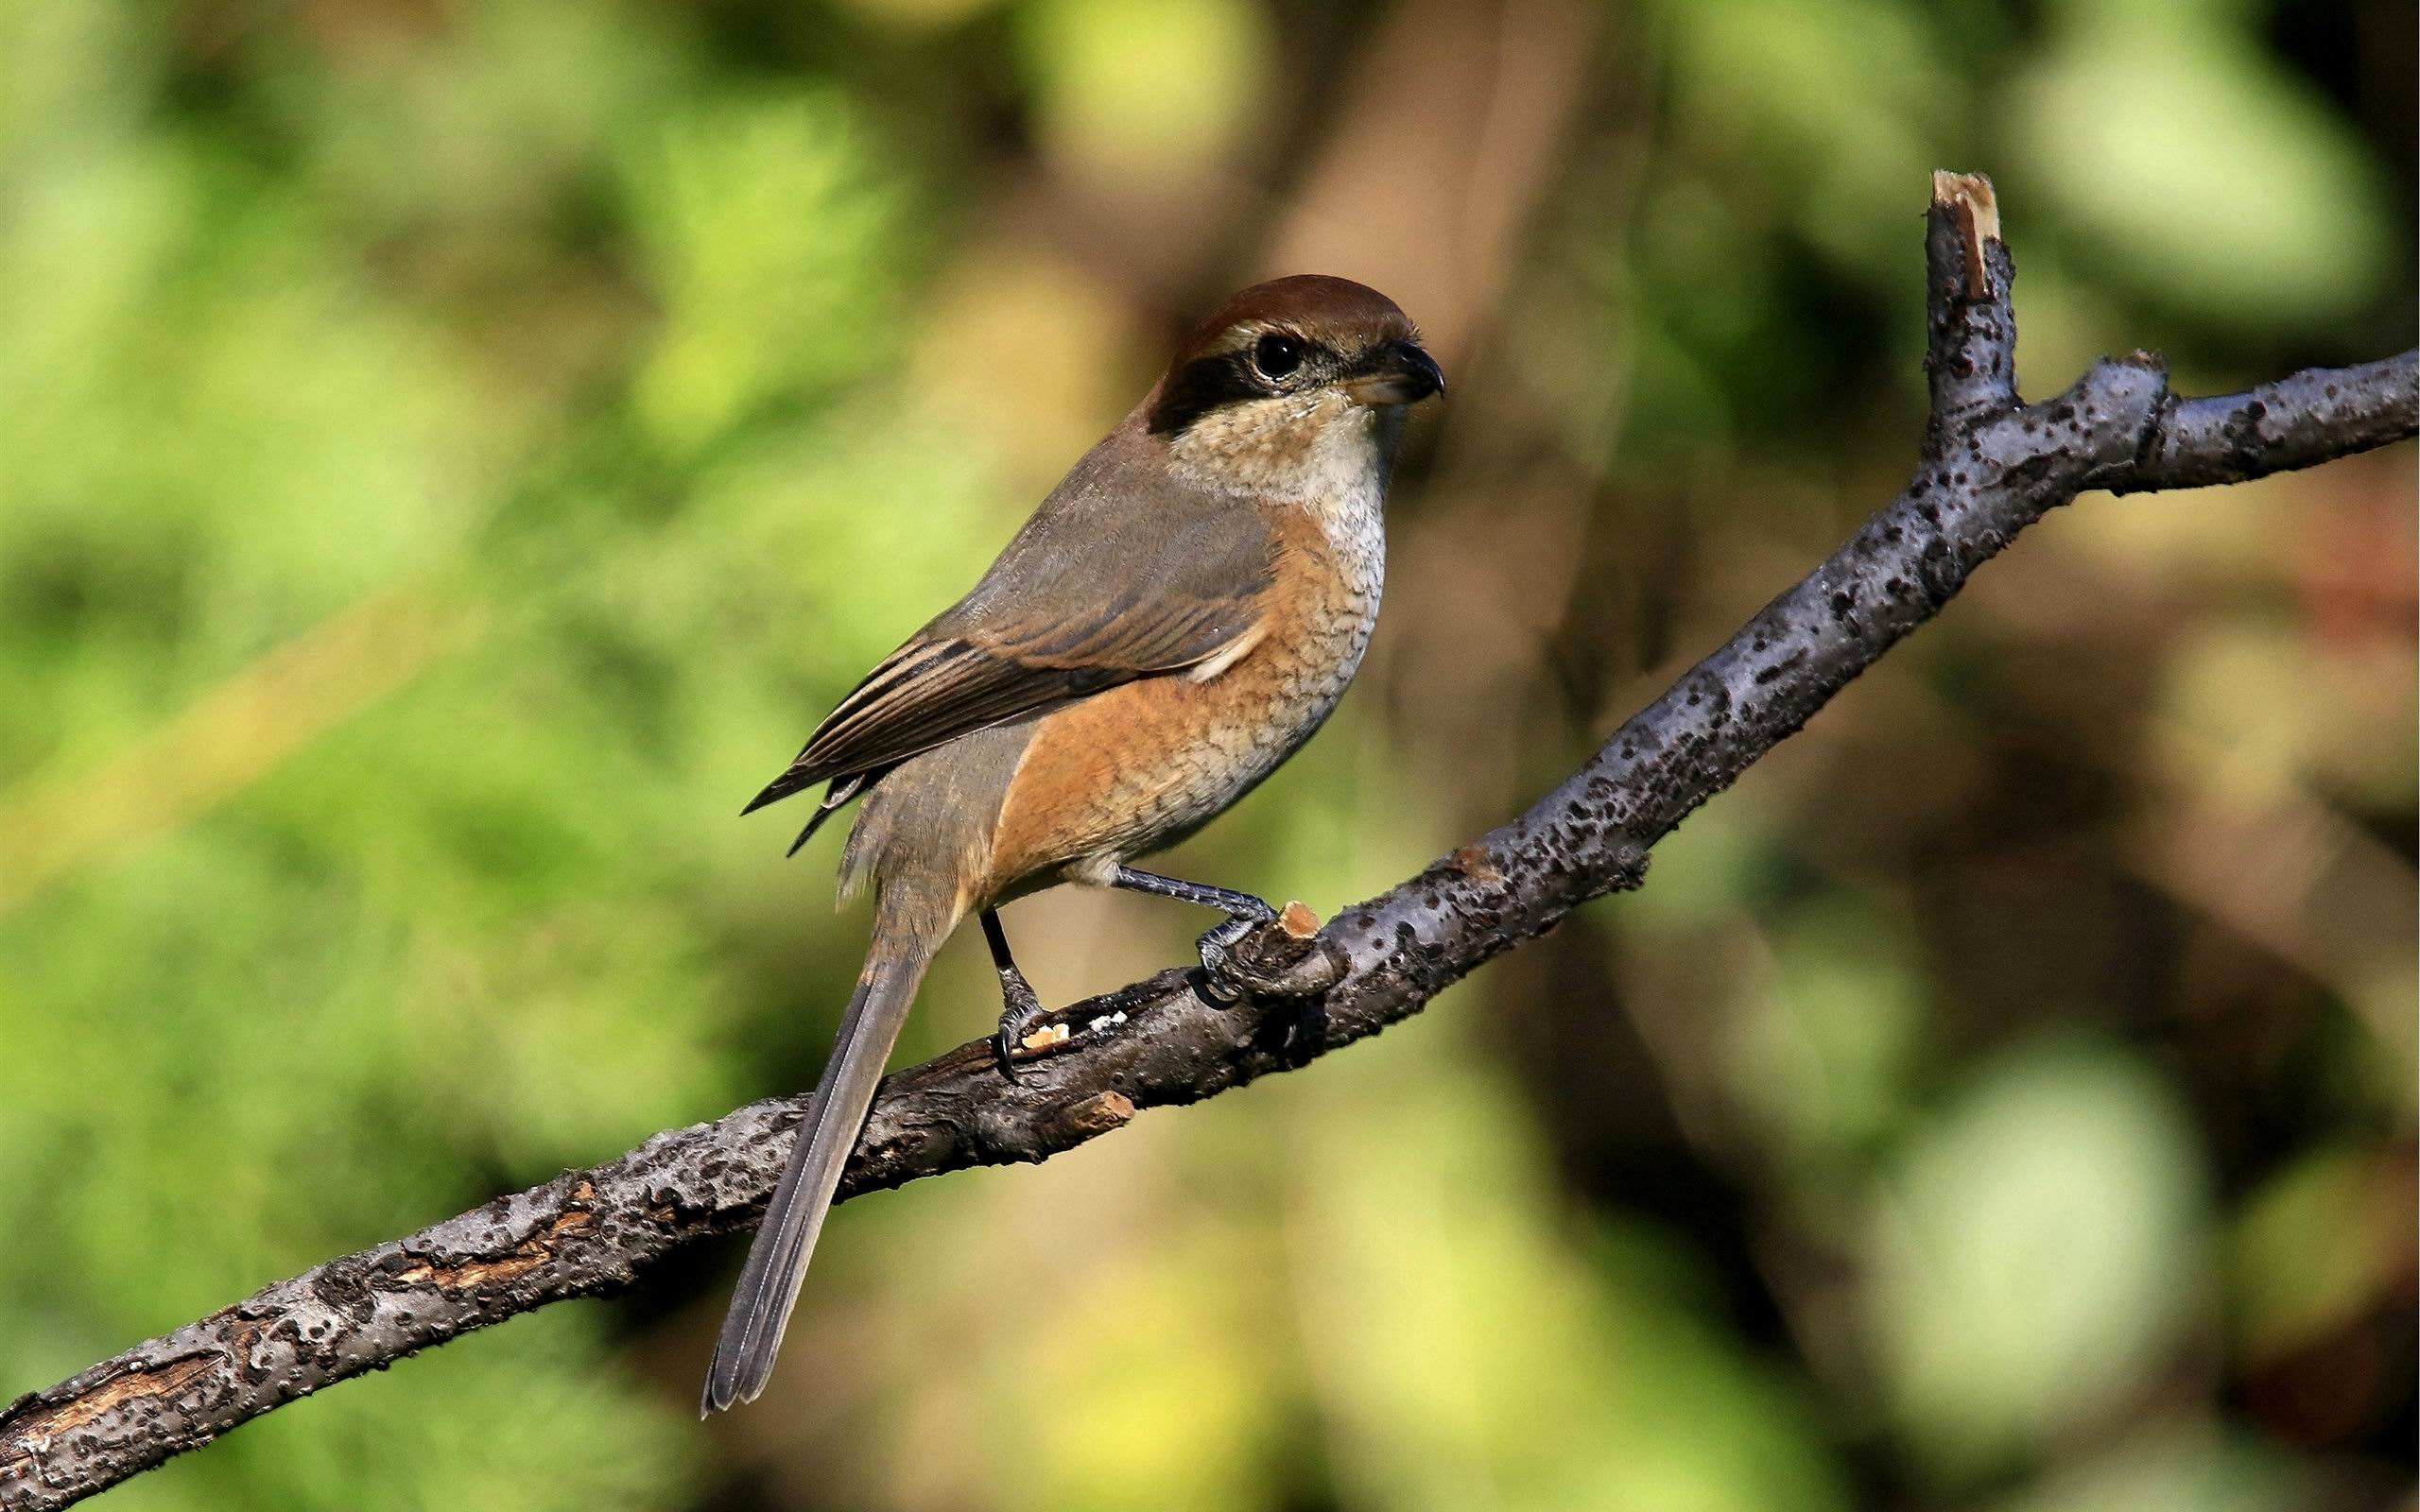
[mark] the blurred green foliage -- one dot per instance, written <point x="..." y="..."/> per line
<point x="451" y="452"/>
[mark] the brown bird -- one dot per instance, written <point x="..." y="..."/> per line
<point x="1179" y="616"/>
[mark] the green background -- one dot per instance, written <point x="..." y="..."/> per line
<point x="450" y="451"/>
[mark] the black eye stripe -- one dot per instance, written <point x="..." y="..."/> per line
<point x="1226" y="378"/>
<point x="1202" y="385"/>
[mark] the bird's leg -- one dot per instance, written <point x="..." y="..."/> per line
<point x="1244" y="913"/>
<point x="1020" y="1011"/>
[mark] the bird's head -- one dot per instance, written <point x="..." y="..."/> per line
<point x="1291" y="380"/>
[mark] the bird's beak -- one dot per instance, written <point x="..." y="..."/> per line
<point x="1401" y="373"/>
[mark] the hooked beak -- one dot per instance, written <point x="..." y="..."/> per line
<point x="1401" y="374"/>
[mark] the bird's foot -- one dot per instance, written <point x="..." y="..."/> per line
<point x="1020" y="1011"/>
<point x="1240" y="958"/>
<point x="1219" y="975"/>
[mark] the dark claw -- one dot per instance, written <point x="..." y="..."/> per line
<point x="1293" y="960"/>
<point x="1221" y="983"/>
<point x="1020" y="1011"/>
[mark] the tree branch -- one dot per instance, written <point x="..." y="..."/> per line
<point x="1989" y="466"/>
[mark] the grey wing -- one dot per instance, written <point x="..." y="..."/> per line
<point x="1103" y="586"/>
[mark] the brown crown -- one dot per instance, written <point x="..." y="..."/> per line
<point x="1342" y="313"/>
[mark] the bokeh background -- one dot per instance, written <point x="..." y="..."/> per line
<point x="451" y="451"/>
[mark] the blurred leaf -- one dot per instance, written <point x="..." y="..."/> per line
<point x="2035" y="1254"/>
<point x="1179" y="1402"/>
<point x="2198" y="170"/>
<point x="770" y="235"/>
<point x="1825" y="1054"/>
<point x="1149" y="86"/>
<point x="1835" y="100"/>
<point x="2183" y="1467"/>
<point x="586" y="394"/>
<point x="1466" y="1358"/>
<point x="2314" y="1247"/>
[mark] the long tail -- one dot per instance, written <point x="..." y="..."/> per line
<point x="760" y="1309"/>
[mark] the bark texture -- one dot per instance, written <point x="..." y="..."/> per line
<point x="1989" y="466"/>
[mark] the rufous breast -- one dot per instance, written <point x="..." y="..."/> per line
<point x="1142" y="766"/>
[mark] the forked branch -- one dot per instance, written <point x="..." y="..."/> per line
<point x="1989" y="466"/>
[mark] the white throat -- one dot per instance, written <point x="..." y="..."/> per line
<point x="1319" y="452"/>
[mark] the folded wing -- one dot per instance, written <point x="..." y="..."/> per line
<point x="1101" y="588"/>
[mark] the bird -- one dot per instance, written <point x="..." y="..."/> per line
<point x="1180" y="614"/>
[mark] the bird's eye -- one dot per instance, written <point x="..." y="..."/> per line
<point x="1277" y="354"/>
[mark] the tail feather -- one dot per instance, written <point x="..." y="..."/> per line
<point x="836" y="798"/>
<point x="760" y="1308"/>
<point x="795" y="778"/>
<point x="840" y="795"/>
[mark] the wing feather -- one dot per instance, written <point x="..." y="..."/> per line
<point x="1121" y="574"/>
